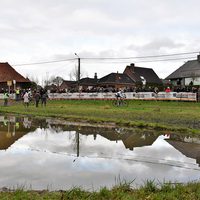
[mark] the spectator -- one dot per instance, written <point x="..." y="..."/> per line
<point x="177" y="89"/>
<point x="26" y="99"/>
<point x="143" y="89"/>
<point x="37" y="98"/>
<point x="183" y="89"/>
<point x="17" y="94"/>
<point x="106" y="90"/>
<point x="44" y="98"/>
<point x="173" y="89"/>
<point x="150" y="89"/>
<point x="178" y="82"/>
<point x="2" y="90"/>
<point x="6" y="96"/>
<point x="131" y="89"/>
<point x="187" y="89"/>
<point x="156" y="91"/>
<point x="168" y="89"/>
<point x="144" y="82"/>
<point x="113" y="90"/>
<point x="194" y="90"/>
<point x="138" y="90"/>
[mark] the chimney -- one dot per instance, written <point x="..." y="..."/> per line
<point x="132" y="67"/>
<point x="198" y="58"/>
<point x="117" y="76"/>
<point x="95" y="76"/>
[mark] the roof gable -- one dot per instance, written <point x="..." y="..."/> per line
<point x="88" y="81"/>
<point x="8" y="73"/>
<point x="186" y="70"/>
<point x="111" y="78"/>
<point x="68" y="83"/>
<point x="140" y="72"/>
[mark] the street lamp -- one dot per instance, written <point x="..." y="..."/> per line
<point x="79" y="62"/>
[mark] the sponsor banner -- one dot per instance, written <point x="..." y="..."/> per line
<point x="129" y="95"/>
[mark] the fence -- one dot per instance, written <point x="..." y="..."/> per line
<point x="173" y="96"/>
<point x="129" y="95"/>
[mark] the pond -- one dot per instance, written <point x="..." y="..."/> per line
<point x="51" y="154"/>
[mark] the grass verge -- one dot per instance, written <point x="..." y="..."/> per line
<point x="122" y="190"/>
<point x="172" y="116"/>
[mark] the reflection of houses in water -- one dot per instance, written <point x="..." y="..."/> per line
<point x="189" y="147"/>
<point x="11" y="129"/>
<point x="130" y="137"/>
<point x="137" y="141"/>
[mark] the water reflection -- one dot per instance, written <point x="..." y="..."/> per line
<point x="58" y="154"/>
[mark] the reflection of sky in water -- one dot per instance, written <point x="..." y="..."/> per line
<point x="47" y="159"/>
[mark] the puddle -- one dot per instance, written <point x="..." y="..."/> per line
<point x="52" y="154"/>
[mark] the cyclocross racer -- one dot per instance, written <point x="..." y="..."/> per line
<point x="119" y="96"/>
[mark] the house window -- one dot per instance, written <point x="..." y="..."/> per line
<point x="142" y="77"/>
<point x="196" y="81"/>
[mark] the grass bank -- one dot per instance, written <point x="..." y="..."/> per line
<point x="150" y="190"/>
<point x="167" y="115"/>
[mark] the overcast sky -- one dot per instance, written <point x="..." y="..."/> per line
<point x="37" y="31"/>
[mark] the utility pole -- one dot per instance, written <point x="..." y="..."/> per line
<point x="79" y="63"/>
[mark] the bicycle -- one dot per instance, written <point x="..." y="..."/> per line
<point x="124" y="102"/>
<point x="31" y="102"/>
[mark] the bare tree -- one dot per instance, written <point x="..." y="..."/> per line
<point x="57" y="81"/>
<point x="46" y="81"/>
<point x="73" y="75"/>
<point x="33" y="79"/>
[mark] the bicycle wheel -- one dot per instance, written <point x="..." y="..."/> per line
<point x="32" y="103"/>
<point x="114" y="103"/>
<point x="125" y="103"/>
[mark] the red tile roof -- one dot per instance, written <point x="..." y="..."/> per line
<point x="8" y="73"/>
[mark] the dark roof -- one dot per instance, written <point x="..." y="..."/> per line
<point x="111" y="78"/>
<point x="87" y="81"/>
<point x="83" y="81"/>
<point x="186" y="70"/>
<point x="8" y="73"/>
<point x="191" y="150"/>
<point x="68" y="83"/>
<point x="147" y="73"/>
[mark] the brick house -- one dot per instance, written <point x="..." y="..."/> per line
<point x="8" y="73"/>
<point x="127" y="79"/>
<point x="116" y="80"/>
<point x="66" y="85"/>
<point x="140" y="73"/>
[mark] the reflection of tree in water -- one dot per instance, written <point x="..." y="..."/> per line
<point x="55" y="128"/>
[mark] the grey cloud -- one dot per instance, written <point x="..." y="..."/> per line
<point x="158" y="44"/>
<point x="34" y="31"/>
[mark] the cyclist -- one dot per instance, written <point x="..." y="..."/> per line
<point x="119" y="96"/>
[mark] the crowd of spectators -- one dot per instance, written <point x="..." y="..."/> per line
<point x="23" y="91"/>
<point x="129" y="89"/>
<point x="113" y="90"/>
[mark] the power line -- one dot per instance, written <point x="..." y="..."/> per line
<point x="47" y="62"/>
<point x="139" y="57"/>
<point x="122" y="58"/>
<point x="61" y="67"/>
<point x="170" y="59"/>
